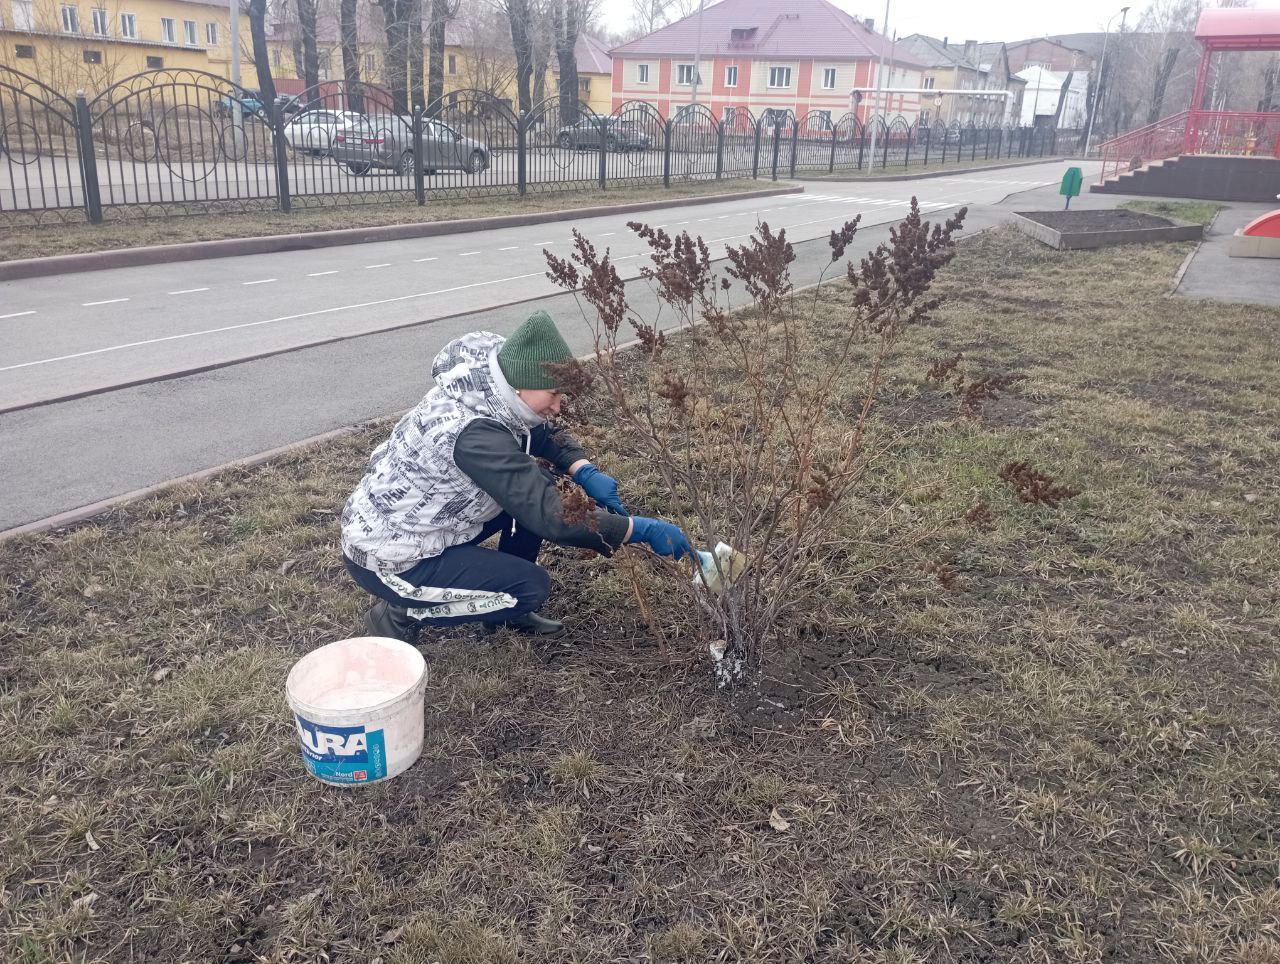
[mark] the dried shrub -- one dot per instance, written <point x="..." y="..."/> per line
<point x="980" y="517"/>
<point x="947" y="577"/>
<point x="1032" y="485"/>
<point x="750" y="430"/>
<point x="972" y="392"/>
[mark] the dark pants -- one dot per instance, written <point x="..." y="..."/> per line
<point x="467" y="583"/>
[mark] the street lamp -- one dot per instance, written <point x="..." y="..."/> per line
<point x="1102" y="66"/>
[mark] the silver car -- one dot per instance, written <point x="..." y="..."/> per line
<point x="385" y="141"/>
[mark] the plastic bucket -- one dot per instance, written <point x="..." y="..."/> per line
<point x="358" y="708"/>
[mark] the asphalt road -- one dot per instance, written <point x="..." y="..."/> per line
<point x="390" y="306"/>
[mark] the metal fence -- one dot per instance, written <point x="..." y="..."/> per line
<point x="171" y="142"/>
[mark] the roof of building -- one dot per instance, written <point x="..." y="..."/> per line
<point x="1050" y="40"/>
<point x="1240" y="29"/>
<point x="592" y="56"/>
<point x="765" y="28"/>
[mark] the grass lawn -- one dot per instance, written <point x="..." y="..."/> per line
<point x="40" y="242"/>
<point x="1074" y="757"/>
<point x="1197" y="212"/>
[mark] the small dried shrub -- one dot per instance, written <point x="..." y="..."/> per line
<point x="1032" y="485"/>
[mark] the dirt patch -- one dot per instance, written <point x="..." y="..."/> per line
<point x="1115" y="219"/>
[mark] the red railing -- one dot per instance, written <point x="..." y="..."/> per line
<point x="1235" y="133"/>
<point x="1139" y="147"/>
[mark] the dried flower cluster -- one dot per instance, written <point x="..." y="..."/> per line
<point x="980" y="517"/>
<point x="972" y="392"/>
<point x="1034" y="486"/>
<point x="947" y="577"/>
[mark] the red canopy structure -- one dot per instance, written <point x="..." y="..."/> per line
<point x="1200" y="131"/>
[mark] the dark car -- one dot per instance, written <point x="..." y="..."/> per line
<point x="619" y="135"/>
<point x="385" y="141"/>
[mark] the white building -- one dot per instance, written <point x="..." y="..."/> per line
<point x="1040" y="100"/>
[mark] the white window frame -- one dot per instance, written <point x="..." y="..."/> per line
<point x="168" y="30"/>
<point x="928" y="83"/>
<point x="690" y="71"/>
<point x="730" y="116"/>
<point x="211" y="33"/>
<point x="101" y="21"/>
<point x="190" y="36"/>
<point x="642" y="73"/>
<point x="731" y="75"/>
<point x="129" y="26"/>
<point x="829" y="74"/>
<point x="26" y="19"/>
<point x="70" y="18"/>
<point x="783" y="73"/>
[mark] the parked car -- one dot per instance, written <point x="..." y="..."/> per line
<point x="386" y="141"/>
<point x="312" y="131"/>
<point x="250" y="103"/>
<point x="619" y="135"/>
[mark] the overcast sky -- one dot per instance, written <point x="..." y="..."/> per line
<point x="984" y="21"/>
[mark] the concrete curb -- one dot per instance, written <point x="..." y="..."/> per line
<point x="1191" y="255"/>
<point x="929" y="174"/>
<point x="304" y="241"/>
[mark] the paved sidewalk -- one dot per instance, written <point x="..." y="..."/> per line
<point x="1213" y="275"/>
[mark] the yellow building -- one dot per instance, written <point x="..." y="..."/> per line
<point x="91" y="44"/>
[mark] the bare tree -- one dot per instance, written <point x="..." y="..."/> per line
<point x="442" y="13"/>
<point x="261" y="56"/>
<point x="489" y="63"/>
<point x="520" y="17"/>
<point x="310" y="64"/>
<point x="349" y="31"/>
<point x="650" y="15"/>
<point x="568" y="17"/>
<point x="395" y="14"/>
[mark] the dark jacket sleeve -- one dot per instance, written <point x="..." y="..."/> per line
<point x="558" y="447"/>
<point x="491" y="457"/>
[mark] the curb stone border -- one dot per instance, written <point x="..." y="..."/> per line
<point x="308" y="240"/>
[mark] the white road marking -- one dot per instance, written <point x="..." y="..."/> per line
<point x="17" y="314"/>
<point x="419" y="260"/>
<point x="109" y="301"/>
<point x="510" y="248"/>
<point x="386" y="265"/>
<point x="679" y="223"/>
<point x="187" y="291"/>
<point x="467" y="254"/>
<point x="544" y="242"/>
<point x="271" y="321"/>
<point x="608" y="234"/>
<point x="264" y="281"/>
<point x="320" y="274"/>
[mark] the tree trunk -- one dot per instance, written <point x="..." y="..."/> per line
<point x="522" y="44"/>
<point x="310" y="55"/>
<point x="1162" y="81"/>
<point x="1062" y="97"/>
<point x="261" y="56"/>
<point x="565" y="15"/>
<point x="417" y="69"/>
<point x="396" y="69"/>
<point x="1266" y="104"/>
<point x="440" y="16"/>
<point x="351" y="55"/>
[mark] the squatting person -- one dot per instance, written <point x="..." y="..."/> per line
<point x="461" y="467"/>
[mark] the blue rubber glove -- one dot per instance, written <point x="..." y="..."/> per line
<point x="662" y="537"/>
<point x="600" y="487"/>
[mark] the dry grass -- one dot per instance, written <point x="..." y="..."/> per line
<point x="1074" y="758"/>
<point x="1197" y="212"/>
<point x="40" y="242"/>
<point x="950" y="166"/>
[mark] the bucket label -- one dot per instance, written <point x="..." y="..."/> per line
<point x="342" y="754"/>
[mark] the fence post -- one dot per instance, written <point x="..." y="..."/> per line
<point x="720" y="150"/>
<point x="604" y="149"/>
<point x="755" y="154"/>
<point x="928" y="137"/>
<point x="1053" y="142"/>
<point x="283" y="200"/>
<point x="862" y="144"/>
<point x="795" y="140"/>
<point x="906" y="161"/>
<point x="88" y="161"/>
<point x="831" y="161"/>
<point x="777" y="142"/>
<point x="522" y="142"/>
<point x="884" y="164"/>
<point x="419" y="181"/>
<point x="666" y="152"/>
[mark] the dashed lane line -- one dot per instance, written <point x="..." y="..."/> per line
<point x="263" y="281"/>
<point x="269" y="321"/>
<point x="321" y="274"/>
<point x="188" y="291"/>
<point x="17" y="314"/>
<point x="109" y="301"/>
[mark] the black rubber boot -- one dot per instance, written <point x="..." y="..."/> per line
<point x="530" y="624"/>
<point x="393" y="622"/>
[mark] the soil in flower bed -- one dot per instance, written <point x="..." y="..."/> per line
<point x="1115" y="219"/>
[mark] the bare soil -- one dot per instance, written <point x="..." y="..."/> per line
<point x="1116" y="219"/>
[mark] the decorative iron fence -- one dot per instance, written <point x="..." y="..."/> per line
<point x="171" y="142"/>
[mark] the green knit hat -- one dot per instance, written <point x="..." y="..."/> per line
<point x="532" y="345"/>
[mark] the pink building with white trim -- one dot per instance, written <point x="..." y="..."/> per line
<point x="802" y="55"/>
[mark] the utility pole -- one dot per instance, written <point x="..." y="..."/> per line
<point x="1102" y="67"/>
<point x="875" y="101"/>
